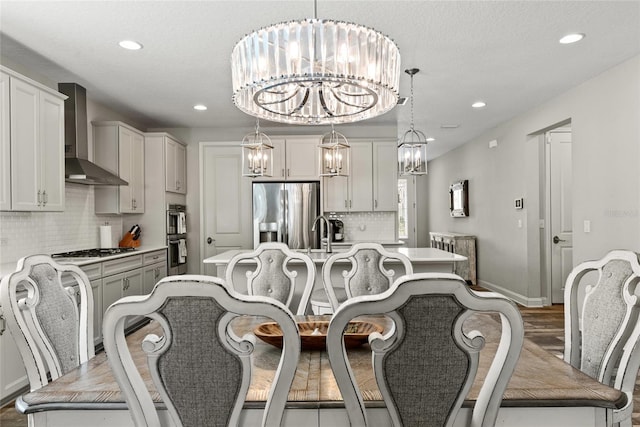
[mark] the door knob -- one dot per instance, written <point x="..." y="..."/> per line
<point x="556" y="239"/>
<point x="210" y="240"/>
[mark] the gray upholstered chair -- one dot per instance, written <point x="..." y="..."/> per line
<point x="275" y="275"/>
<point x="199" y="366"/>
<point x="602" y="329"/>
<point x="52" y="324"/>
<point x="365" y="269"/>
<point x="425" y="365"/>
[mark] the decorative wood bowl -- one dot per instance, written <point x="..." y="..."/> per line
<point x="357" y="333"/>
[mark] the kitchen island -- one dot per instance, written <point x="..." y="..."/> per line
<point x="422" y="259"/>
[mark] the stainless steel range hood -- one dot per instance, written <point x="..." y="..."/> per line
<point x="77" y="167"/>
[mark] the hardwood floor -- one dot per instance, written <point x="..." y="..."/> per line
<point x="544" y="326"/>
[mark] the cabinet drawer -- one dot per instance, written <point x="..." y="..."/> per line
<point x="119" y="265"/>
<point x="94" y="271"/>
<point x="155" y="256"/>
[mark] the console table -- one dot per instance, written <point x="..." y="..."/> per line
<point x="461" y="244"/>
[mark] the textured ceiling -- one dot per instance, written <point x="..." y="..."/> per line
<point x="503" y="52"/>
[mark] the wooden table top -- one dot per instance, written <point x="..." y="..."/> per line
<point x="540" y="379"/>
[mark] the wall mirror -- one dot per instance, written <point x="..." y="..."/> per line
<point x="459" y="198"/>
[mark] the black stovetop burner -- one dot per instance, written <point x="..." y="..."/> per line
<point x="88" y="253"/>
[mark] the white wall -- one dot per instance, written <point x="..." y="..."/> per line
<point x="605" y="120"/>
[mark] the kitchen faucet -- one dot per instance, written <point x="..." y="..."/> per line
<point x="329" y="230"/>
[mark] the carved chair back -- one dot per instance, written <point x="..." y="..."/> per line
<point x="276" y="275"/>
<point x="425" y="365"/>
<point x="602" y="327"/>
<point x="52" y="324"/>
<point x="199" y="366"/>
<point x="365" y="270"/>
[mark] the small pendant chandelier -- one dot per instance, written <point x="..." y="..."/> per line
<point x="412" y="149"/>
<point x="257" y="154"/>
<point x="334" y="154"/>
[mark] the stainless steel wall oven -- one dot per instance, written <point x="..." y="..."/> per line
<point x="177" y="238"/>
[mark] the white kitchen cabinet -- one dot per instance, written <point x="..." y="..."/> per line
<point x="385" y="176"/>
<point x="119" y="148"/>
<point x="155" y="268"/>
<point x="13" y="376"/>
<point x="295" y="158"/>
<point x="372" y="184"/>
<point x="174" y="155"/>
<point x="5" y="144"/>
<point x="175" y="165"/>
<point x="37" y="146"/>
<point x="121" y="277"/>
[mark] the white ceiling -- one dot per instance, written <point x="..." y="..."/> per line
<point x="503" y="52"/>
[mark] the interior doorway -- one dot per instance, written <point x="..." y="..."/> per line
<point x="225" y="207"/>
<point x="558" y="231"/>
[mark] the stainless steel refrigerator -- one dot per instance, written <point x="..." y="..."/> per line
<point x="284" y="212"/>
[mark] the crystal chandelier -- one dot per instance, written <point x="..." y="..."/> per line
<point x="315" y="72"/>
<point x="412" y="150"/>
<point x="334" y="154"/>
<point x="257" y="153"/>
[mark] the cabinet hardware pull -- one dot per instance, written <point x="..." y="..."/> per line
<point x="345" y="204"/>
<point x="3" y="324"/>
<point x="288" y="172"/>
<point x="45" y="197"/>
<point x="282" y="172"/>
<point x="39" y="198"/>
<point x="375" y="203"/>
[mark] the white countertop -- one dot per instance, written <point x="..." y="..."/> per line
<point x="350" y="243"/>
<point x="10" y="267"/>
<point x="415" y="255"/>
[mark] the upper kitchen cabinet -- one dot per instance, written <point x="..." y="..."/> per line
<point x="119" y="148"/>
<point x="295" y="158"/>
<point x="32" y="152"/>
<point x="385" y="176"/>
<point x="175" y="160"/>
<point x="372" y="184"/>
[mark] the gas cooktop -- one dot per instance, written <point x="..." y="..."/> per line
<point x="91" y="253"/>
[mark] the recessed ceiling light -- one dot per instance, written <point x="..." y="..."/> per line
<point x="130" y="44"/>
<point x="449" y="126"/>
<point x="571" y="38"/>
<point x="479" y="104"/>
<point x="431" y="139"/>
<point x="200" y="107"/>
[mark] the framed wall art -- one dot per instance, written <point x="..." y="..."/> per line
<point x="459" y="199"/>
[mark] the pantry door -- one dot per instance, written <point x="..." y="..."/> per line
<point x="225" y="208"/>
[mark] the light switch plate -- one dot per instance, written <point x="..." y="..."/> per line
<point x="519" y="203"/>
<point x="587" y="226"/>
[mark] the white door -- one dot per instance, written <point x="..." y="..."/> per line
<point x="225" y="202"/>
<point x="561" y="212"/>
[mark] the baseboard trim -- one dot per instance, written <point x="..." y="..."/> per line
<point x="520" y="299"/>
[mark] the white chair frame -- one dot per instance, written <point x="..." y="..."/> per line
<point x="349" y="275"/>
<point x="253" y="277"/>
<point x="486" y="408"/>
<point x="621" y="361"/>
<point x="131" y="383"/>
<point x="20" y="296"/>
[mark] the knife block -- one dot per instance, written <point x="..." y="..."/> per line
<point x="128" y="242"/>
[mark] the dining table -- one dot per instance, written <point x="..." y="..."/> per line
<point x="543" y="391"/>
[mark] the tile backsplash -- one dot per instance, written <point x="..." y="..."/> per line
<point x="369" y="226"/>
<point x="27" y="233"/>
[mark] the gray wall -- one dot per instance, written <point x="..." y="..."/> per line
<point x="605" y="120"/>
